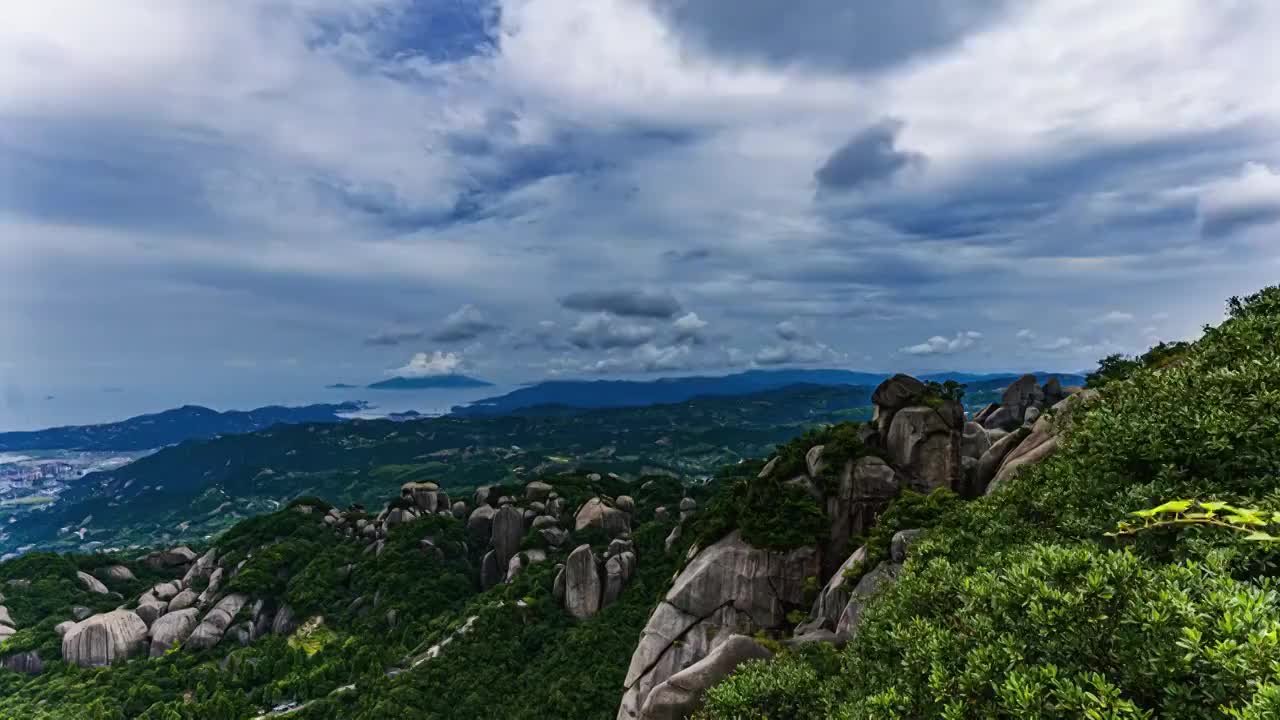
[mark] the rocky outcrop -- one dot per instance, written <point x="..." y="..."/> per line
<point x="990" y="461"/>
<point x="480" y="524"/>
<point x="115" y="574"/>
<point x="183" y="600"/>
<point x="28" y="662"/>
<point x="583" y="589"/>
<point x="508" y="531"/>
<point x="176" y="558"/>
<point x="892" y="395"/>
<point x="1040" y="441"/>
<point x="728" y="587"/>
<point x="151" y="610"/>
<point x="830" y="604"/>
<point x="685" y="692"/>
<point x="869" y="585"/>
<point x="284" y="622"/>
<point x="214" y="625"/>
<point x="597" y="514"/>
<point x="102" y="639"/>
<point x="924" y="445"/>
<point x="172" y="629"/>
<point x="91" y="583"/>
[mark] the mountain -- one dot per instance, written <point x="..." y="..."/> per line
<point x="190" y="422"/>
<point x="340" y="386"/>
<point x="428" y="383"/>
<point x="630" y="393"/>
<point x="1111" y="557"/>
<point x="190" y="490"/>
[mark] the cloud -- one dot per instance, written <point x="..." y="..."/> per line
<point x="939" y="345"/>
<point x="466" y="323"/>
<point x="794" y="353"/>
<point x="689" y="328"/>
<point x="1030" y="338"/>
<point x="1115" y="317"/>
<point x="430" y="365"/>
<point x="391" y="338"/>
<point x="604" y="331"/>
<point x="1233" y="204"/>
<point x="789" y="330"/>
<point x="869" y="157"/>
<point x="625" y="303"/>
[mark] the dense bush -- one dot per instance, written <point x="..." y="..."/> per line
<point x="1019" y="605"/>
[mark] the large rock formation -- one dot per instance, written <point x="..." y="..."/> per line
<point x="115" y="574"/>
<point x="596" y="514"/>
<point x="728" y="587"/>
<point x="924" y="445"/>
<point x="172" y="629"/>
<point x="214" y="625"/>
<point x="508" y="531"/>
<point x="101" y="639"/>
<point x="1039" y="442"/>
<point x="27" y="662"/>
<point x="892" y="395"/>
<point x="583" y="588"/>
<point x="685" y="692"/>
<point x="91" y="583"/>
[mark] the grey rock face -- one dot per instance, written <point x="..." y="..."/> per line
<point x="1022" y="394"/>
<point x="425" y="495"/>
<point x="1032" y="414"/>
<point x="480" y="524"/>
<point x="490" y="574"/>
<point x="91" y="583"/>
<point x="63" y="627"/>
<point x="999" y="419"/>
<point x="172" y="629"/>
<point x="583" y="589"/>
<point x="537" y="490"/>
<point x="481" y="496"/>
<point x="595" y="513"/>
<point x="28" y="662"/>
<point x="900" y="545"/>
<point x="617" y="571"/>
<point x="115" y="574"/>
<point x="101" y="639"/>
<point x="166" y="591"/>
<point x="555" y="536"/>
<point x="557" y="586"/>
<point x="508" y="531"/>
<point x="974" y="440"/>
<point x="813" y="461"/>
<point x="5" y="617"/>
<point x="151" y="611"/>
<point x="892" y="395"/>
<point x="285" y="622"/>
<point x="625" y="503"/>
<point x="684" y="693"/>
<point x="991" y="460"/>
<point x="183" y="600"/>
<point x="214" y="625"/>
<point x="459" y="509"/>
<point x="728" y="587"/>
<point x="871" y="584"/>
<point x="924" y="444"/>
<point x="170" y="559"/>
<point x="830" y="603"/>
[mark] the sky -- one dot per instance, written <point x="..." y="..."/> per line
<point x="231" y="198"/>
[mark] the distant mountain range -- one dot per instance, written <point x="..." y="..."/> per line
<point x="434" y="382"/>
<point x="189" y="422"/>
<point x="628" y="393"/>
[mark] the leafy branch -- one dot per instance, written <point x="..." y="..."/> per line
<point x="1177" y="513"/>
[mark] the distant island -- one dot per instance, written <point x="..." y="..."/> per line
<point x="430" y="383"/>
<point x="341" y="386"/>
<point x="189" y="422"/>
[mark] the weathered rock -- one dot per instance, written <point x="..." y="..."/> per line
<point x="28" y="662"/>
<point x="169" y="559"/>
<point x="6" y="632"/>
<point x="557" y="586"/>
<point x="625" y="503"/>
<point x="115" y="574"/>
<point x="480" y="524"/>
<point x="459" y="509"/>
<point x="80" y="612"/>
<point x="508" y="531"/>
<point x="990" y="461"/>
<point x="616" y="574"/>
<point x="213" y="588"/>
<point x="1053" y="392"/>
<point x="870" y="585"/>
<point x="830" y="603"/>
<point x="688" y="504"/>
<point x="523" y="560"/>
<point x="284" y="622"/>
<point x="543" y="521"/>
<point x="974" y="441"/>
<point x="91" y="583"/>
<point x="660" y="513"/>
<point x="999" y="419"/>
<point x="1022" y="394"/>
<point x="728" y="587"/>
<point x="101" y="639"/>
<point x="673" y="537"/>
<point x="166" y="591"/>
<point x="149" y="612"/>
<point x="63" y="627"/>
<point x="214" y="625"/>
<point x="1032" y="414"/>
<point x="924" y="444"/>
<point x="583" y="589"/>
<point x="537" y="490"/>
<point x="768" y="468"/>
<point x="172" y="629"/>
<point x="813" y="461"/>
<point x="901" y="543"/>
<point x="482" y="495"/>
<point x="425" y="495"/>
<point x="892" y="395"/>
<point x="183" y="600"/>
<point x="684" y="693"/>
<point x="490" y="574"/>
<point x="1033" y="455"/>
<point x="555" y="536"/>
<point x="981" y="416"/>
<point x="595" y="513"/>
<point x="5" y="617"/>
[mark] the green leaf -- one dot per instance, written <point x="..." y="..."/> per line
<point x="1173" y="506"/>
<point x="1262" y="537"/>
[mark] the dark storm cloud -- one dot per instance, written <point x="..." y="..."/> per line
<point x="604" y="332"/>
<point x="625" y="303"/>
<point x="859" y="36"/>
<point x="869" y="157"/>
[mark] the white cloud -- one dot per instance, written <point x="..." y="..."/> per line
<point x="604" y="331"/>
<point x="1115" y="317"/>
<point x="430" y="365"/>
<point x="689" y="327"/>
<point x="1231" y="204"/>
<point x="939" y="345"/>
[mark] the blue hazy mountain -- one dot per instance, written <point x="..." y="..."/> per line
<point x="189" y="422"/>
<point x="434" y="382"/>
<point x="629" y="393"/>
